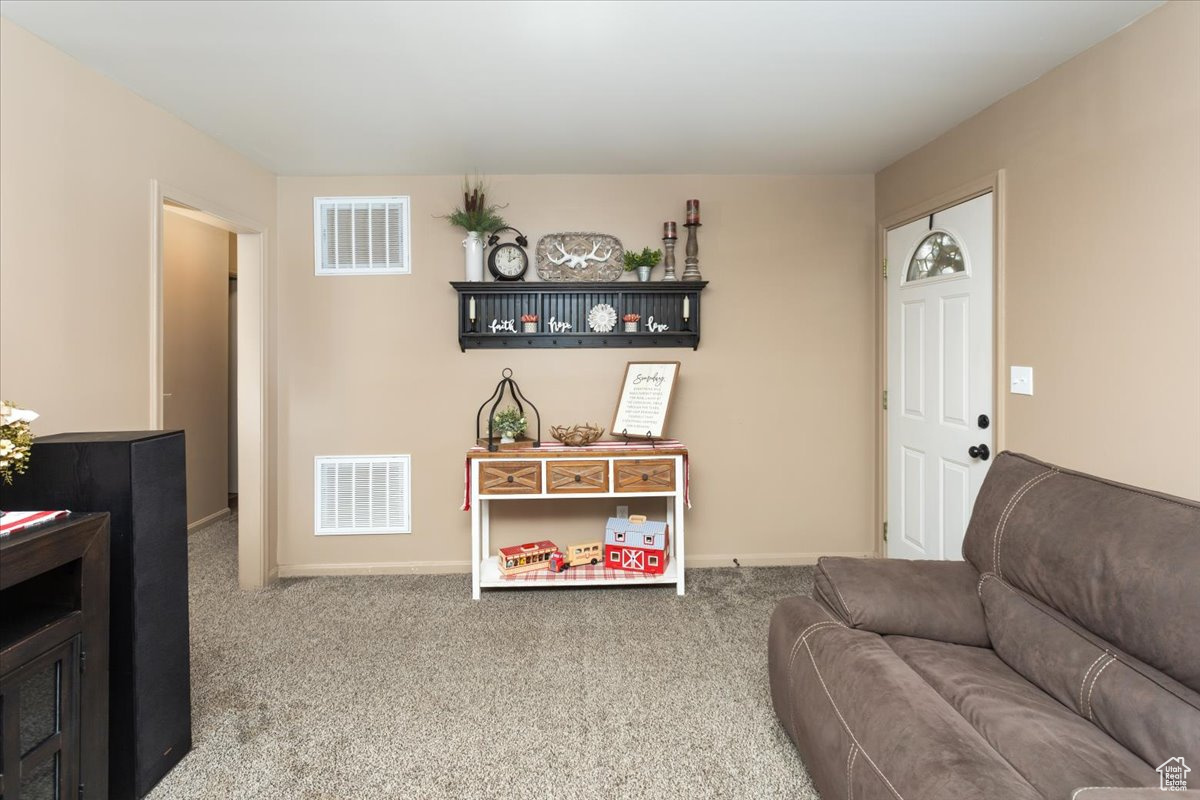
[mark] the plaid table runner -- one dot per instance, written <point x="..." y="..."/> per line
<point x="582" y="573"/>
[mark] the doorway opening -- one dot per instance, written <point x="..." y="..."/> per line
<point x="199" y="355"/>
<point x="208" y="361"/>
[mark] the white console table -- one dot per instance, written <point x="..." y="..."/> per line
<point x="557" y="472"/>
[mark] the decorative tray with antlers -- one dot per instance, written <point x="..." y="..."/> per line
<point x="579" y="257"/>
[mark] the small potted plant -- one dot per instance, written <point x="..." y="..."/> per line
<point x="631" y="322"/>
<point x="529" y="321"/>
<point x="643" y="262"/>
<point x="509" y="423"/>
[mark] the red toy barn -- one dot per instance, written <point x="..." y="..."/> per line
<point x="637" y="545"/>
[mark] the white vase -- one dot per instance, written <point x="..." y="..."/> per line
<point x="631" y="327"/>
<point x="474" y="255"/>
<point x="530" y="327"/>
<point x="507" y="439"/>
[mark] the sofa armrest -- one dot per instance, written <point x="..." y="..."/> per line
<point x="929" y="599"/>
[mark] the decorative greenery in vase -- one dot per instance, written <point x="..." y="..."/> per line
<point x="509" y="423"/>
<point x="646" y="258"/>
<point x="15" y="440"/>
<point x="476" y="215"/>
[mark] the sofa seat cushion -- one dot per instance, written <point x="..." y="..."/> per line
<point x="867" y="725"/>
<point x="1051" y="746"/>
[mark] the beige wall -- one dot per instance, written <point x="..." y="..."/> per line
<point x="196" y="355"/>
<point x="77" y="155"/>
<point x="775" y="405"/>
<point x="1101" y="159"/>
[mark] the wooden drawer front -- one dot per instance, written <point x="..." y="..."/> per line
<point x="565" y="477"/>
<point x="510" y="477"/>
<point x="646" y="475"/>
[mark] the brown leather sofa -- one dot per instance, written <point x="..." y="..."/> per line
<point x="1060" y="659"/>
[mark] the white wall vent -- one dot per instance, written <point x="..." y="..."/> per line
<point x="363" y="494"/>
<point x="361" y="235"/>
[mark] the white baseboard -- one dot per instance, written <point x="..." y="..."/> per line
<point x="209" y="520"/>
<point x="448" y="567"/>
<point x="766" y="559"/>
<point x="375" y="568"/>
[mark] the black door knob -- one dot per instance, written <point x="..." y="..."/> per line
<point x="984" y="421"/>
<point x="578" y="478"/>
<point x="981" y="452"/>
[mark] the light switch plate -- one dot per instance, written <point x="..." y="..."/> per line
<point x="622" y="512"/>
<point x="1021" y="380"/>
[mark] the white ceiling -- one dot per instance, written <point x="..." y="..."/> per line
<point x="347" y="88"/>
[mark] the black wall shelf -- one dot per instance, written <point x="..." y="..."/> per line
<point x="570" y="303"/>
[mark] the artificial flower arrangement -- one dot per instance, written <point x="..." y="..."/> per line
<point x="15" y="440"/>
<point x="631" y="322"/>
<point x="530" y="322"/>
<point x="509" y="423"/>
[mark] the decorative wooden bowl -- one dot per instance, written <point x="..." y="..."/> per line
<point x="576" y="435"/>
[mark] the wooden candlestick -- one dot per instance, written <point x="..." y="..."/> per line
<point x="691" y="268"/>
<point x="669" y="260"/>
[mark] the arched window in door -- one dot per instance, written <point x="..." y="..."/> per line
<point x="938" y="254"/>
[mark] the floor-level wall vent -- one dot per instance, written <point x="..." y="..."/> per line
<point x="363" y="494"/>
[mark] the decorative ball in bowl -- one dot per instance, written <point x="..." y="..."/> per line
<point x="576" y="435"/>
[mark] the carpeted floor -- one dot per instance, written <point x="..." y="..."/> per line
<point x="403" y="687"/>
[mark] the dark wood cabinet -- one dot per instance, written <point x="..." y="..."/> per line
<point x="54" y="660"/>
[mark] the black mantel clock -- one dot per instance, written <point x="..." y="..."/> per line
<point x="508" y="261"/>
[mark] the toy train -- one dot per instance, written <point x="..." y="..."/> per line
<point x="526" y="557"/>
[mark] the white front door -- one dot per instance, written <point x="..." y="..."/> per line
<point x="939" y="312"/>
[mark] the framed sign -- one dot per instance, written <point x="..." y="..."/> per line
<point x="645" y="399"/>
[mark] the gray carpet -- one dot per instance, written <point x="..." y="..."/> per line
<point x="403" y="687"/>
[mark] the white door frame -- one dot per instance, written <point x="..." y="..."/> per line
<point x="993" y="183"/>
<point x="254" y="567"/>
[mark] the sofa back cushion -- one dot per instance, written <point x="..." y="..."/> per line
<point x="1122" y="563"/>
<point x="1149" y="713"/>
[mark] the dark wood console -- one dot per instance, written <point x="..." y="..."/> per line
<point x="54" y="660"/>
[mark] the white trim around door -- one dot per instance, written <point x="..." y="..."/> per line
<point x="253" y="357"/>
<point x="994" y="184"/>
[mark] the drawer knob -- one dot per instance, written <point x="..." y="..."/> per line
<point x="510" y="478"/>
<point x="578" y="478"/>
<point x="645" y="477"/>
